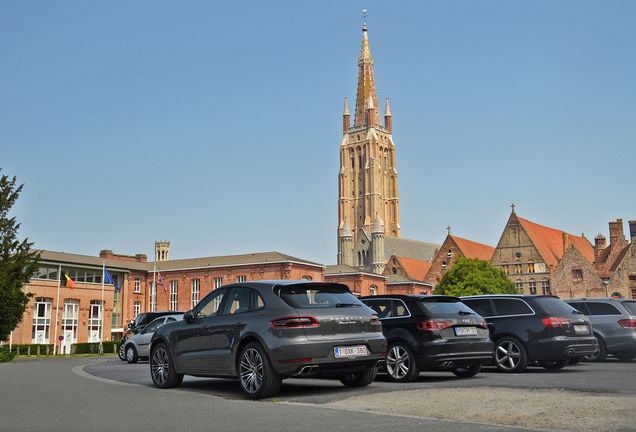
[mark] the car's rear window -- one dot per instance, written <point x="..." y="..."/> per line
<point x="554" y="306"/>
<point x="512" y="306"/>
<point x="600" y="308"/>
<point x="440" y="308"/>
<point x="316" y="295"/>
<point x="631" y="306"/>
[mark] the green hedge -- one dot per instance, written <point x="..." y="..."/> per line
<point x="109" y="347"/>
<point x="5" y="354"/>
<point x="24" y="349"/>
<point x="93" y="347"/>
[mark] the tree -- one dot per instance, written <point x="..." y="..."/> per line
<point x="472" y="276"/>
<point x="18" y="262"/>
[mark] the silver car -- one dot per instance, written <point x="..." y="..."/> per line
<point x="263" y="332"/>
<point x="614" y="324"/>
<point x="136" y="347"/>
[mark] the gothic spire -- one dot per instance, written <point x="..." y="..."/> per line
<point x="366" y="84"/>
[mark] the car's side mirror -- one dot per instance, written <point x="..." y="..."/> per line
<point x="189" y="315"/>
<point x="130" y="325"/>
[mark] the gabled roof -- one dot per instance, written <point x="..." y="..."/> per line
<point x="414" y="268"/>
<point x="549" y="242"/>
<point x="399" y="279"/>
<point x="331" y="270"/>
<point x="619" y="258"/>
<point x="471" y="249"/>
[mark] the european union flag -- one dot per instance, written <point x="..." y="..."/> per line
<point x="108" y="279"/>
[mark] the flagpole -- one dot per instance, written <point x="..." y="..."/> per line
<point x="57" y="306"/>
<point x="154" y="283"/>
<point x="101" y="328"/>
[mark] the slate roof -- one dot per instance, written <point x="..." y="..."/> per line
<point x="407" y="248"/>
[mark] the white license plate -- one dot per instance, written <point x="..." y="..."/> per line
<point x="352" y="351"/>
<point x="580" y="328"/>
<point x="466" y="331"/>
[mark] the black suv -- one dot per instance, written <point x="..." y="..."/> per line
<point x="534" y="328"/>
<point x="614" y="323"/>
<point x="141" y="321"/>
<point x="431" y="333"/>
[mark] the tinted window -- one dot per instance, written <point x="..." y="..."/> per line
<point x="315" y="295"/>
<point x="210" y="304"/>
<point x="381" y="306"/>
<point x="238" y="301"/>
<point x="444" y="308"/>
<point x="483" y="307"/>
<point x="512" y="306"/>
<point x="603" y="309"/>
<point x="257" y="301"/>
<point x="580" y="307"/>
<point x="150" y="328"/>
<point x="554" y="305"/>
<point x="631" y="306"/>
<point x="400" y="309"/>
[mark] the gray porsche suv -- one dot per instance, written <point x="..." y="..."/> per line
<point x="263" y="332"/>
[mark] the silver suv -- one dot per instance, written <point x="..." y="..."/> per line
<point x="614" y="324"/>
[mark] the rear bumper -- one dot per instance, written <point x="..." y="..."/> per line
<point x="562" y="347"/>
<point x="446" y="354"/>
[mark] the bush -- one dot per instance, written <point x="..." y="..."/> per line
<point x="24" y="349"/>
<point x="5" y="354"/>
<point x="93" y="347"/>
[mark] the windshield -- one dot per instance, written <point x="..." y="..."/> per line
<point x="318" y="296"/>
<point x="444" y="307"/>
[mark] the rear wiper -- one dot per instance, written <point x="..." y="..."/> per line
<point x="346" y="304"/>
<point x="577" y="312"/>
<point x="465" y="313"/>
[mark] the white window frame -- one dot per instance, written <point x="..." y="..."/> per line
<point x="218" y="282"/>
<point x="174" y="295"/>
<point x="152" y="297"/>
<point x="137" y="285"/>
<point x="196" y="292"/>
<point x="42" y="320"/>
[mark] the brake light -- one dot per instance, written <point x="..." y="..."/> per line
<point x="433" y="325"/>
<point x="291" y="322"/>
<point x="375" y="320"/>
<point x="556" y="322"/>
<point x="483" y="324"/>
<point x="627" y="323"/>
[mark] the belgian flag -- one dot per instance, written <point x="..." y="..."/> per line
<point x="68" y="281"/>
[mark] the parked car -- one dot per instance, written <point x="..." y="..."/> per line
<point x="263" y="332"/>
<point x="614" y="325"/>
<point x="136" y="347"/>
<point x="140" y="321"/>
<point x="534" y="328"/>
<point x="431" y="332"/>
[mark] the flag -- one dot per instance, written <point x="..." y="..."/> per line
<point x="162" y="284"/>
<point x="68" y="281"/>
<point x="108" y="279"/>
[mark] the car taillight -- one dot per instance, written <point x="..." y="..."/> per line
<point x="290" y="322"/>
<point x="556" y="322"/>
<point x="375" y="320"/>
<point x="483" y="324"/>
<point x="627" y="323"/>
<point x="433" y="325"/>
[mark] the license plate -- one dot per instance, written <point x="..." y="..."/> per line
<point x="580" y="328"/>
<point x="352" y="351"/>
<point x="466" y="331"/>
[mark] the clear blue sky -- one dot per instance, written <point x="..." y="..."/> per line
<point x="217" y="125"/>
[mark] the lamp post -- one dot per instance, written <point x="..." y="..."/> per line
<point x="606" y="283"/>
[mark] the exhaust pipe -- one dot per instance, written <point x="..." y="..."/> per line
<point x="448" y="364"/>
<point x="308" y="370"/>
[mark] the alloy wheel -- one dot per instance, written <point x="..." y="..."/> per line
<point x="398" y="362"/>
<point x="251" y="370"/>
<point x="508" y="355"/>
<point x="159" y="366"/>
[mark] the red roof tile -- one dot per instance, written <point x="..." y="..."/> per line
<point x="471" y="249"/>
<point x="549" y="242"/>
<point x="416" y="269"/>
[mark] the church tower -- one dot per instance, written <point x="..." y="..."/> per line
<point x="368" y="180"/>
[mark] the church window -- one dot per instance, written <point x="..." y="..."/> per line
<point x="519" y="286"/>
<point x="545" y="287"/>
<point x="531" y="267"/>
<point x="505" y="268"/>
<point x="518" y="269"/>
<point x="577" y="275"/>
<point x="443" y="266"/>
<point x="394" y="270"/>
<point x="450" y="253"/>
<point x="533" y="287"/>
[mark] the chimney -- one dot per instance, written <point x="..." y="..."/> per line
<point x="632" y="230"/>
<point x="600" y="243"/>
<point x="566" y="242"/>
<point x="616" y="232"/>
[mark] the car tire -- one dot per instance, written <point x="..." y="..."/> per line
<point x="131" y="354"/>
<point x="162" y="369"/>
<point x="625" y="356"/>
<point x="400" y="363"/>
<point x="510" y="355"/>
<point x="575" y="360"/>
<point x="600" y="354"/>
<point x="121" y="352"/>
<point x="554" y="364"/>
<point x="257" y="377"/>
<point x="467" y="372"/>
<point x="360" y="378"/>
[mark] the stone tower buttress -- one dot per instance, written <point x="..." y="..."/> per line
<point x="368" y="179"/>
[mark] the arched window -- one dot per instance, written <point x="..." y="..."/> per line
<point x="373" y="290"/>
